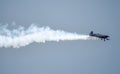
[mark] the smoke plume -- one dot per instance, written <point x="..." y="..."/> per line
<point x="21" y="37"/>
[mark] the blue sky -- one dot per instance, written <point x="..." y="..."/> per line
<point x="65" y="57"/>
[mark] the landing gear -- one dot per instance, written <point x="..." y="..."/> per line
<point x="104" y="39"/>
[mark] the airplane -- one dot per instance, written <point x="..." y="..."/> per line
<point x="104" y="37"/>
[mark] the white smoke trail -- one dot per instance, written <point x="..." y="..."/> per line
<point x="20" y="37"/>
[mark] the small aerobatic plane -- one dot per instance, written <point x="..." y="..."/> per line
<point x="104" y="37"/>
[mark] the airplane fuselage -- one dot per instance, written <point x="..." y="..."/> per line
<point x="105" y="37"/>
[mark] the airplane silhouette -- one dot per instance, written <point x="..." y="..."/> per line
<point x="104" y="37"/>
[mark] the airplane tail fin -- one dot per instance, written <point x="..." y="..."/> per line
<point x="91" y="33"/>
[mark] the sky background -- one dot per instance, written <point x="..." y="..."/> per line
<point x="64" y="57"/>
